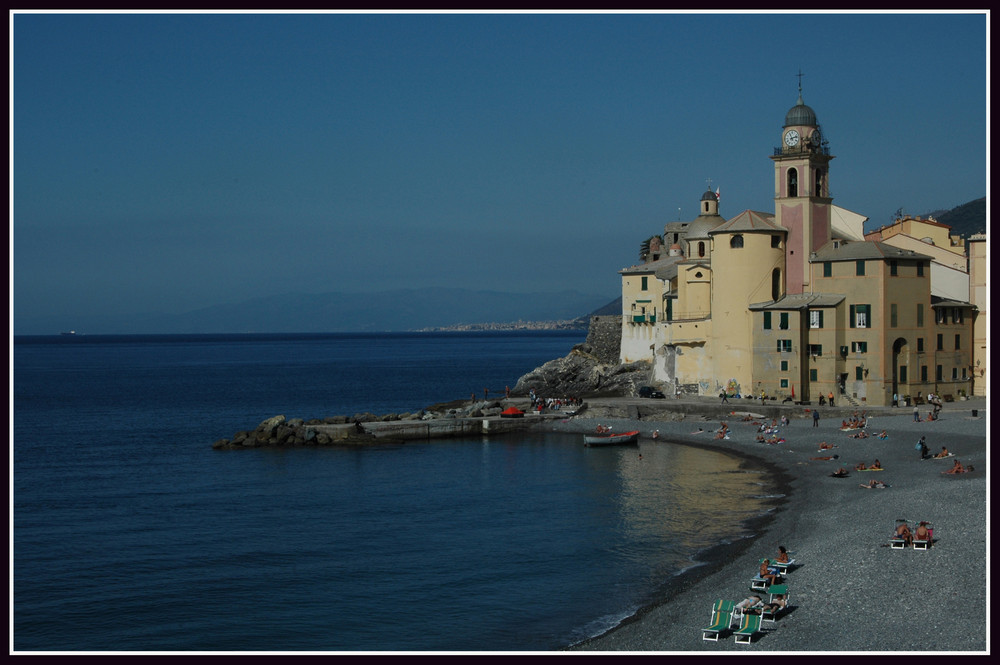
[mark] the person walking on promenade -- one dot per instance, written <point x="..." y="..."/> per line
<point x="922" y="447"/>
<point x="916" y="414"/>
<point x="725" y="399"/>
<point x="815" y="418"/>
<point x="829" y="398"/>
<point x="895" y="399"/>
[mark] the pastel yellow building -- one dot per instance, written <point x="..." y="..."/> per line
<point x="801" y="303"/>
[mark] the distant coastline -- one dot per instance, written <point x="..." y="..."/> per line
<point x="574" y="324"/>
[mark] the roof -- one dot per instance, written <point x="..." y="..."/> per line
<point x="750" y="221"/>
<point x="800" y="301"/>
<point x="854" y="251"/>
<point x="951" y="303"/>
<point x="652" y="266"/>
<point x="800" y="114"/>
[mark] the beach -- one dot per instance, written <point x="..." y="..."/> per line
<point x="849" y="591"/>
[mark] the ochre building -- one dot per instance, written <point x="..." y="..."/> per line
<point x="800" y="302"/>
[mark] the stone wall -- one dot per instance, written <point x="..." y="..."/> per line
<point x="604" y="338"/>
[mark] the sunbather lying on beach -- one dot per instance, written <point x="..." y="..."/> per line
<point x="883" y="435"/>
<point x="840" y="473"/>
<point x="826" y="446"/>
<point x="778" y="604"/>
<point x="860" y="466"/>
<point x="825" y="459"/>
<point x="751" y="605"/>
<point x="944" y="453"/>
<point x="859" y="435"/>
<point x="873" y="485"/>
<point x="876" y="464"/>
<point x="958" y="468"/>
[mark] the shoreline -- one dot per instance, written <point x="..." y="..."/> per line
<point x="839" y="534"/>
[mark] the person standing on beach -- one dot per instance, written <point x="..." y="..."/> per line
<point x="916" y="414"/>
<point x="922" y="447"/>
<point x="815" y="418"/>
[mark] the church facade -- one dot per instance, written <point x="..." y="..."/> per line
<point x="799" y="303"/>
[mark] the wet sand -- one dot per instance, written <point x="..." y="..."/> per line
<point x="849" y="591"/>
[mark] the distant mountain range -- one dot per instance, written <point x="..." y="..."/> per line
<point x="966" y="219"/>
<point x="388" y="311"/>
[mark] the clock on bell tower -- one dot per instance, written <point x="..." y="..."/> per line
<point x="802" y="201"/>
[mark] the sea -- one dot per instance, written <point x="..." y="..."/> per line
<point x="130" y="533"/>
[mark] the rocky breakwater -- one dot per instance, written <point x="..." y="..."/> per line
<point x="438" y="421"/>
<point x="590" y="369"/>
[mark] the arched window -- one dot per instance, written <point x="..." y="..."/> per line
<point x="736" y="242"/>
<point x="818" y="183"/>
<point x="775" y="284"/>
<point x="701" y="248"/>
<point x="706" y="206"/>
<point x="793" y="182"/>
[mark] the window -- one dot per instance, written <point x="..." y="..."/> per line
<point x="776" y="241"/>
<point x="645" y="283"/>
<point x="861" y="316"/>
<point x="902" y="373"/>
<point x="954" y="373"/>
<point x="940" y="342"/>
<point x="923" y="373"/>
<point x="956" y="315"/>
<point x="964" y="374"/>
<point x="893" y="314"/>
<point x="812" y="375"/>
<point x="701" y="249"/>
<point x="784" y="345"/>
<point x="783" y="321"/>
<point x="827" y="269"/>
<point x="815" y="318"/>
<point x="784" y="365"/>
<point x="920" y="268"/>
<point x="793" y="183"/>
<point x="815" y="349"/>
<point x="784" y="383"/>
<point x="939" y="373"/>
<point x="859" y="347"/>
<point x="818" y="182"/>
<point x="941" y="316"/>
<point x="920" y="315"/>
<point x="767" y="320"/>
<point x="958" y="342"/>
<point x="920" y="345"/>
<point x="859" y="373"/>
<point x="893" y="268"/>
<point x="736" y="242"/>
<point x="775" y="284"/>
<point x="859" y="268"/>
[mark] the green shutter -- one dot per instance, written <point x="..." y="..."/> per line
<point x="767" y="320"/>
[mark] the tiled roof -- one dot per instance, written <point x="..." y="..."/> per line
<point x="652" y="266"/>
<point x="852" y="251"/>
<point x="801" y="301"/>
<point x="750" y="220"/>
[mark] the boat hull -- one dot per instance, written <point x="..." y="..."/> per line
<point x="622" y="439"/>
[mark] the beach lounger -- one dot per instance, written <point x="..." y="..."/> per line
<point x="758" y="584"/>
<point x="722" y="618"/>
<point x="770" y="616"/>
<point x="782" y="566"/>
<point x="749" y="626"/>
<point x="777" y="590"/>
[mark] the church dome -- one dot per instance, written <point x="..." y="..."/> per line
<point x="709" y="196"/>
<point x="800" y="114"/>
<point x="700" y="227"/>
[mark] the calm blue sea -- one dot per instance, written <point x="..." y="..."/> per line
<point x="131" y="533"/>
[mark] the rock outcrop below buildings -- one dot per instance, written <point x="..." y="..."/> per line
<point x="591" y="368"/>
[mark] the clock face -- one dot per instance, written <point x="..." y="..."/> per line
<point x="791" y="138"/>
<point x="816" y="137"/>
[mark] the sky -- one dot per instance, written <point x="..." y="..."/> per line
<point x="169" y="162"/>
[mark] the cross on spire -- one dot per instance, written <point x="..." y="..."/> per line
<point x="709" y="181"/>
<point x="800" y="75"/>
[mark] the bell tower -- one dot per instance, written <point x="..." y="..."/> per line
<point x="802" y="201"/>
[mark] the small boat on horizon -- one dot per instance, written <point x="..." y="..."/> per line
<point x="68" y="332"/>
<point x="621" y="439"/>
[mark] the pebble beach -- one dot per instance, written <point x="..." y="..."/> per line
<point x="848" y="590"/>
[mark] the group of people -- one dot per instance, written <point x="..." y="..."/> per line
<point x="876" y="466"/>
<point x="539" y="403"/>
<point x="772" y="574"/>
<point x="922" y="532"/>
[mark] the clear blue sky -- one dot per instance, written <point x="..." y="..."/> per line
<point x="167" y="162"/>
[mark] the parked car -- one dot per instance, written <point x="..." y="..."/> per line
<point x="647" y="391"/>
